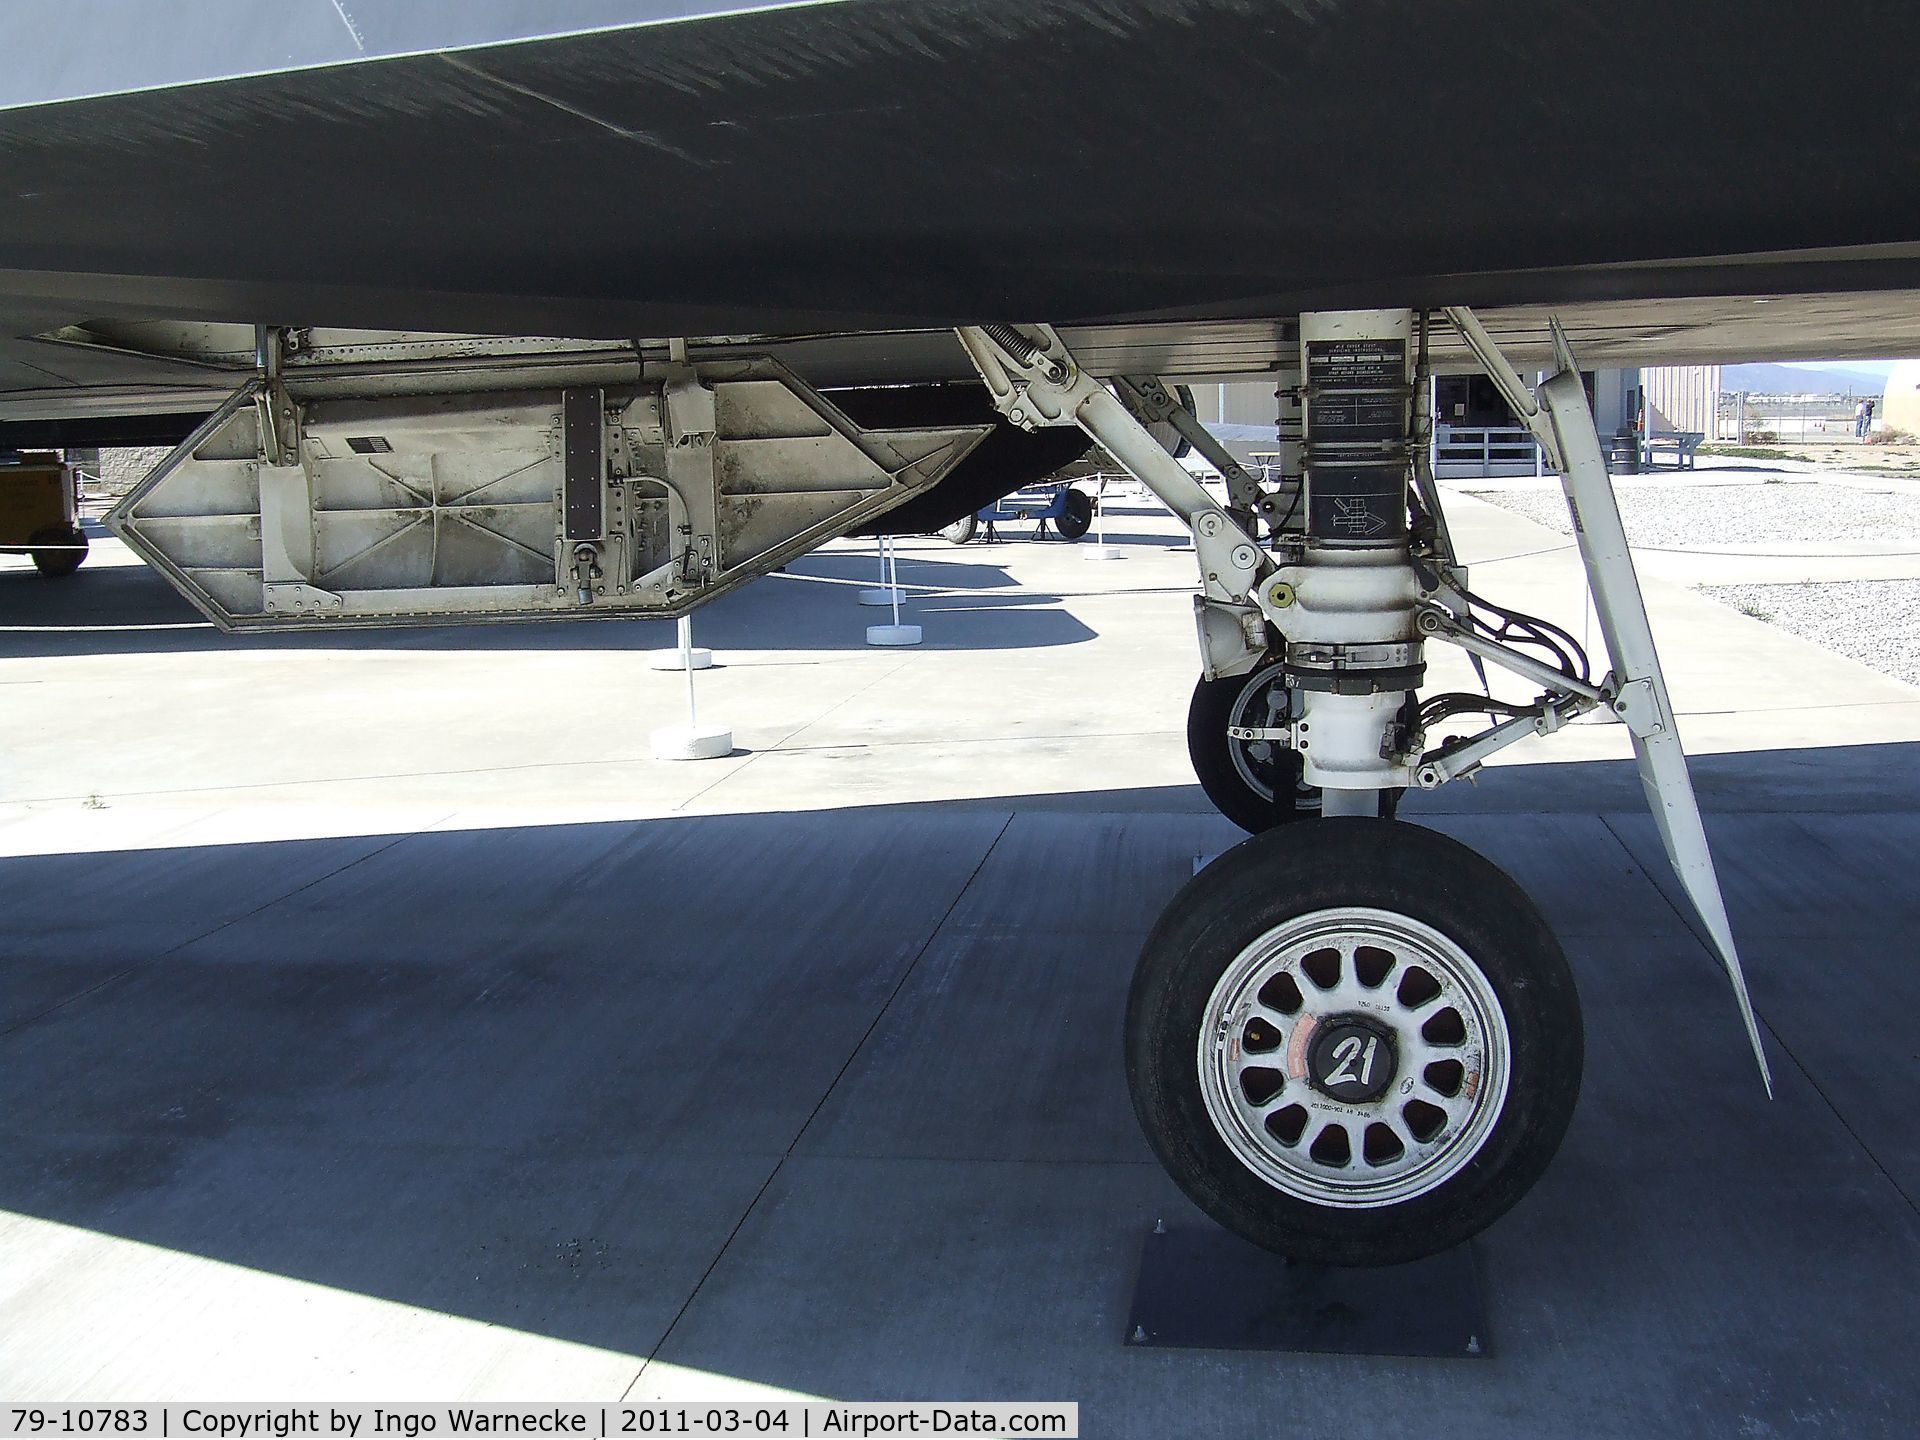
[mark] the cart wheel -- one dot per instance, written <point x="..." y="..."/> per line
<point x="1353" y="1043"/>
<point x="1254" y="783"/>
<point x="65" y="546"/>
<point x="1076" y="514"/>
<point x="961" y="530"/>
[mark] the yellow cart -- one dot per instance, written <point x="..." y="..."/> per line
<point x="40" y="513"/>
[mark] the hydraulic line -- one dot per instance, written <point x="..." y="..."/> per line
<point x="1523" y="628"/>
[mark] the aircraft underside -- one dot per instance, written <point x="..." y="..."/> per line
<point x="1349" y="1039"/>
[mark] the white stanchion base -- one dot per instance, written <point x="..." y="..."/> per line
<point x="893" y="635"/>
<point x="1102" y="552"/>
<point x="680" y="742"/>
<point x="670" y="659"/>
<point x="881" y="596"/>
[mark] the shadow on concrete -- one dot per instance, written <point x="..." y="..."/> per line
<point x="130" y="609"/>
<point x="961" y="572"/>
<point x="1115" y="536"/>
<point x="1834" y="779"/>
<point x="834" y="1100"/>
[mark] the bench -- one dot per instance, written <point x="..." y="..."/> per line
<point x="1680" y="445"/>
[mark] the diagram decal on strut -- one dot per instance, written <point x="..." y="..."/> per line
<point x="1354" y="515"/>
<point x="1356" y="502"/>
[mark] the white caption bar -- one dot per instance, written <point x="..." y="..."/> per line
<point x="602" y="1422"/>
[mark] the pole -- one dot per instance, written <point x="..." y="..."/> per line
<point x="1433" y="425"/>
<point x="1539" y="455"/>
<point x="892" y="580"/>
<point x="686" y="663"/>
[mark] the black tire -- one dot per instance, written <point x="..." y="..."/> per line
<point x="1409" y="872"/>
<point x="65" y="546"/>
<point x="961" y="530"/>
<point x="1257" y="786"/>
<point x="1076" y="514"/>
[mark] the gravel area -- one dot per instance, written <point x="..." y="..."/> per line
<point x="1760" y="513"/>
<point x="1876" y="622"/>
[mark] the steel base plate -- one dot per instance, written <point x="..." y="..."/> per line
<point x="672" y="660"/>
<point x="1208" y="1290"/>
<point x="681" y="742"/>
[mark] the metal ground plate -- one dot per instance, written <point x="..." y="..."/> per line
<point x="1204" y="1289"/>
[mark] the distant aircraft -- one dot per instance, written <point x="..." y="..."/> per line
<point x="609" y="322"/>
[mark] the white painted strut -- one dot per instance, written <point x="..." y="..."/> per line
<point x="1035" y="382"/>
<point x="1561" y="420"/>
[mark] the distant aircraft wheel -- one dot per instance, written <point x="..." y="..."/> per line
<point x="1076" y="514"/>
<point x="1167" y="433"/>
<point x="1254" y="783"/>
<point x="1354" y="1043"/>
<point x="961" y="530"/>
<point x="65" y="547"/>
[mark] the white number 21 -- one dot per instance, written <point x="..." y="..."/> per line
<point x="1348" y="1051"/>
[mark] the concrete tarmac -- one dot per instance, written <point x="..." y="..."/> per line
<point x="379" y="1021"/>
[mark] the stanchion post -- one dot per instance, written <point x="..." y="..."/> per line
<point x="896" y="633"/>
<point x="690" y="741"/>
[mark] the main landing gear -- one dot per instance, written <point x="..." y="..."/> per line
<point x="1351" y="1040"/>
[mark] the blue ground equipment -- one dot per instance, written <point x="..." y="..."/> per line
<point x="1070" y="512"/>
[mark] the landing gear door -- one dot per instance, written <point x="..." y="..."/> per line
<point x="1642" y="701"/>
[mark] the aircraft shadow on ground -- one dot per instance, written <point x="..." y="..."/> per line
<point x="130" y="609"/>
<point x="333" y="1060"/>
<point x="1114" y="536"/>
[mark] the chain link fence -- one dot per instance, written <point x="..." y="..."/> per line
<point x="1755" y="419"/>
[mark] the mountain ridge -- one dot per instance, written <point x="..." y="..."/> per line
<point x="1769" y="379"/>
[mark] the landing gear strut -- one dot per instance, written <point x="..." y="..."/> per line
<point x="1353" y="1041"/>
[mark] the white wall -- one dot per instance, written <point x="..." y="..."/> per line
<point x="1683" y="397"/>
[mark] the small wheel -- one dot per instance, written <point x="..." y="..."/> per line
<point x="961" y="530"/>
<point x="1254" y="783"/>
<point x="58" y="550"/>
<point x="1076" y="514"/>
<point x="1353" y="1043"/>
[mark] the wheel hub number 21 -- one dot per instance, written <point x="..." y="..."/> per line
<point x="1354" y="1057"/>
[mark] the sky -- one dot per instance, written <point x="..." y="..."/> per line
<point x="1871" y="367"/>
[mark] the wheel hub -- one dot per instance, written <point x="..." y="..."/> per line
<point x="1267" y="768"/>
<point x="1355" y="1058"/>
<point x="1352" y="1058"/>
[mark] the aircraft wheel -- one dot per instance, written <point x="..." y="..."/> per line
<point x="1254" y="783"/>
<point x="1076" y="514"/>
<point x="961" y="530"/>
<point x="1353" y="1043"/>
<point x="58" y="559"/>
